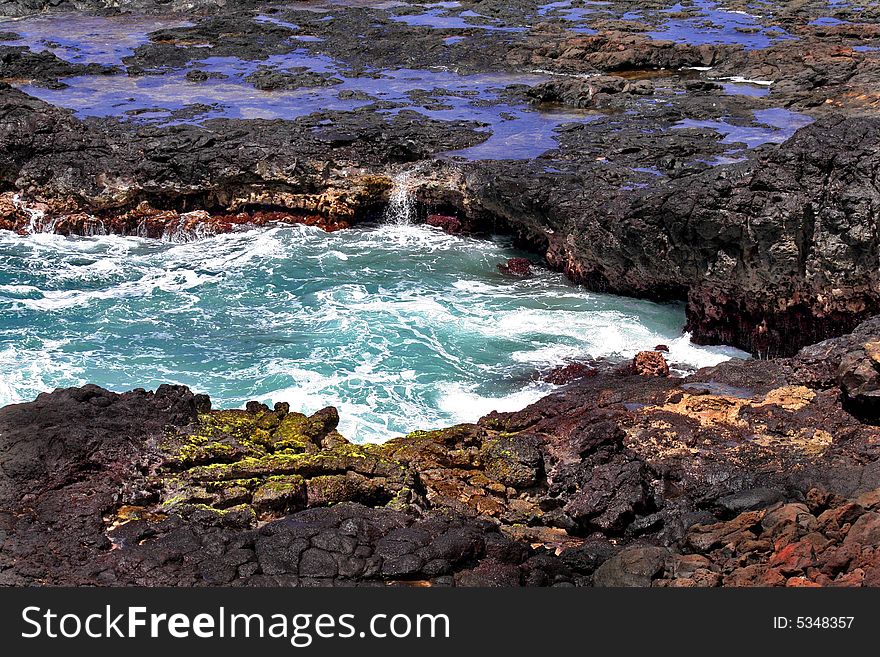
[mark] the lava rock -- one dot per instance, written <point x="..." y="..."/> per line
<point x="447" y="223"/>
<point x="568" y="373"/>
<point x="516" y="267"/>
<point x="633" y="566"/>
<point x="650" y="363"/>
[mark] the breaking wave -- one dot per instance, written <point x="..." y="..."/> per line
<point x="399" y="326"/>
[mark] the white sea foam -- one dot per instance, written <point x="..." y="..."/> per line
<point x="26" y="372"/>
<point x="738" y="79"/>
<point x="401" y="327"/>
<point x="466" y="405"/>
<point x="167" y="281"/>
<point x="688" y="357"/>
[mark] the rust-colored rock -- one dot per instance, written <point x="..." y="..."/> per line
<point x="517" y="267"/>
<point x="568" y="373"/>
<point x="447" y="223"/>
<point x="650" y="363"/>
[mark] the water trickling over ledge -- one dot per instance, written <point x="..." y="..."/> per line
<point x="401" y="208"/>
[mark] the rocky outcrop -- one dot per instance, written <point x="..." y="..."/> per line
<point x="615" y="51"/>
<point x="748" y="473"/>
<point x="771" y="254"/>
<point x="102" y="169"/>
<point x="593" y="92"/>
<point x="650" y="363"/>
<point x="267" y="79"/>
<point x="44" y="68"/>
<point x="28" y="7"/>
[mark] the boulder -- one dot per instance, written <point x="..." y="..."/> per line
<point x="633" y="566"/>
<point x="650" y="363"/>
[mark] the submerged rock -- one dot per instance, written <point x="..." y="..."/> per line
<point x="517" y="267"/>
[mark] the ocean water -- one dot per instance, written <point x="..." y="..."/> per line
<point x="401" y="327"/>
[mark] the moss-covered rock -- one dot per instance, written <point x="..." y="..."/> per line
<point x="280" y="493"/>
<point x="275" y="461"/>
<point x="513" y="462"/>
<point x="325" y="490"/>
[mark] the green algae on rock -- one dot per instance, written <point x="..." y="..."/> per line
<point x="275" y="462"/>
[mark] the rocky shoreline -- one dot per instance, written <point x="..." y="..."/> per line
<point x="772" y="253"/>
<point x="760" y="210"/>
<point x="750" y="473"/>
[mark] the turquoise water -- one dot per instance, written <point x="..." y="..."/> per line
<point x="401" y="327"/>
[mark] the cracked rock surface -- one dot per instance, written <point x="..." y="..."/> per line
<point x="747" y="473"/>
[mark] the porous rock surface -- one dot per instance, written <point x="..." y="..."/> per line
<point x="771" y="253"/>
<point x="748" y="473"/>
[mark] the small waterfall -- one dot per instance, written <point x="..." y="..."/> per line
<point x="191" y="226"/>
<point x="401" y="209"/>
<point x="36" y="218"/>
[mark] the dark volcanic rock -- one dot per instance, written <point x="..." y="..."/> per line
<point x="748" y="473"/>
<point x="859" y="378"/>
<point x="595" y="92"/>
<point x="204" y="76"/>
<point x="66" y="460"/>
<point x="268" y="79"/>
<point x="43" y="68"/>
<point x="568" y="373"/>
<point x="228" y="164"/>
<point x="772" y="254"/>
<point x="633" y="566"/>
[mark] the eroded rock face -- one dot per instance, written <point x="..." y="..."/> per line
<point x="771" y="254"/>
<point x="748" y="473"/>
<point x="303" y="167"/>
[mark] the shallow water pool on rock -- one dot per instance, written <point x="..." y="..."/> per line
<point x="400" y="327"/>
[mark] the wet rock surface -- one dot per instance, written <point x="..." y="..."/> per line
<point x="673" y="175"/>
<point x="733" y="166"/>
<point x="747" y="473"/>
<point x="44" y="68"/>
